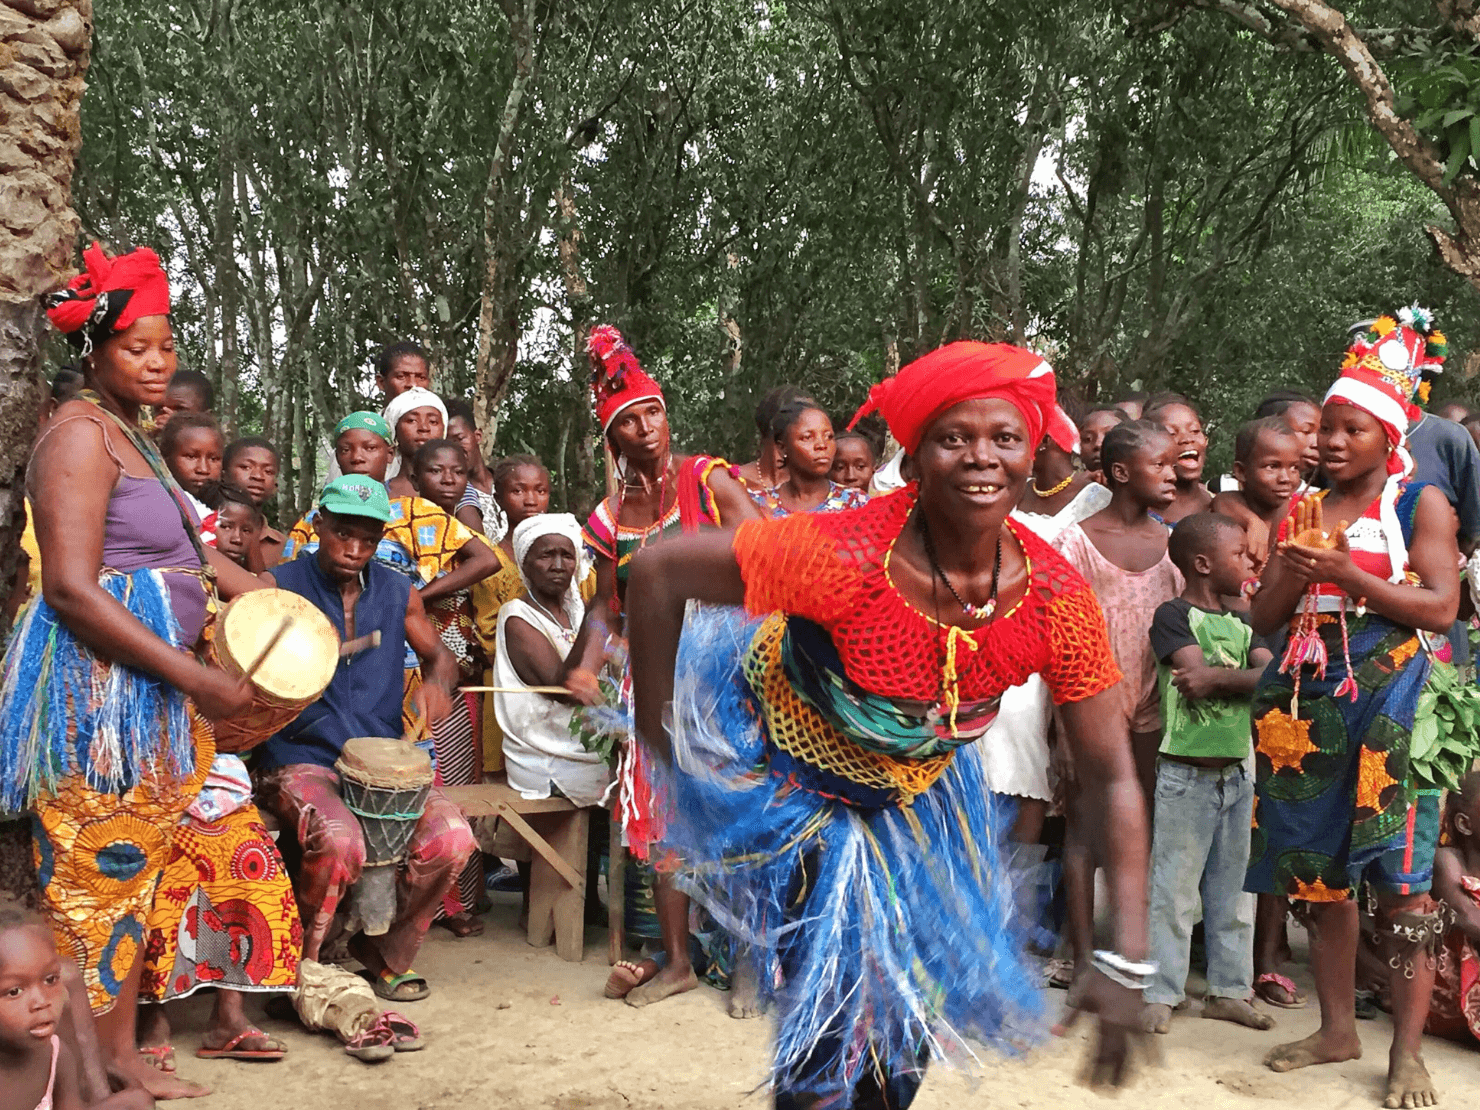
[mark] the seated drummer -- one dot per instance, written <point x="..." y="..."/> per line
<point x="296" y="778"/>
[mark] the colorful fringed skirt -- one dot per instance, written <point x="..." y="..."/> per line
<point x="106" y="759"/>
<point x="1331" y="803"/>
<point x="884" y="931"/>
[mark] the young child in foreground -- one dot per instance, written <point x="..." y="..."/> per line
<point x="1455" y="1010"/>
<point x="1204" y="803"/>
<point x="38" y="1069"/>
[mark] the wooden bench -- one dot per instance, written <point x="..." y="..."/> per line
<point x="557" y="831"/>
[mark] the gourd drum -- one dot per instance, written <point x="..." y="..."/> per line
<point x="292" y="675"/>
<point x="384" y="783"/>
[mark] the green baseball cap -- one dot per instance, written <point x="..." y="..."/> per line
<point x="367" y="421"/>
<point x="356" y="495"/>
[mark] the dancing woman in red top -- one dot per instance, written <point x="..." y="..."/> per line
<point x="827" y="804"/>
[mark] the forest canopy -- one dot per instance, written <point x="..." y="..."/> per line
<point x="755" y="193"/>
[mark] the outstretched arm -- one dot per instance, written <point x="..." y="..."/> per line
<point x="1097" y="734"/>
<point x="663" y="580"/>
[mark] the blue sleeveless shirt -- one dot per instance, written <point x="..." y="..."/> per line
<point x="364" y="697"/>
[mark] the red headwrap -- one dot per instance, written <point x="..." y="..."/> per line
<point x="111" y="294"/>
<point x="617" y="380"/>
<point x="967" y="371"/>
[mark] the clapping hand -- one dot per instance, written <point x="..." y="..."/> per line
<point x="1309" y="552"/>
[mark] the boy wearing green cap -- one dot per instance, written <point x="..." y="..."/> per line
<point x="297" y="780"/>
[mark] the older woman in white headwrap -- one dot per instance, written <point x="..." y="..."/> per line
<point x="415" y="417"/>
<point x="537" y="646"/>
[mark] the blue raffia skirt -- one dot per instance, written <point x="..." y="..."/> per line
<point x="884" y="935"/>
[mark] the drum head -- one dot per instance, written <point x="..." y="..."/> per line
<point x="301" y="664"/>
<point x="381" y="761"/>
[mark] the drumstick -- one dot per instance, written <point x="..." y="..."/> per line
<point x="512" y="690"/>
<point x="282" y="630"/>
<point x="367" y="642"/>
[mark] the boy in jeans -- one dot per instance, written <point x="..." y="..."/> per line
<point x="1204" y="803"/>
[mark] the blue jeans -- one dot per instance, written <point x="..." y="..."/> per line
<point x="1200" y="845"/>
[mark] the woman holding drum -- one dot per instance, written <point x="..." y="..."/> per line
<point x="104" y="735"/>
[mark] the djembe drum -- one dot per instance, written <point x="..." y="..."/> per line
<point x="385" y="784"/>
<point x="288" y="651"/>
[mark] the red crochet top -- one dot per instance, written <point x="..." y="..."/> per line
<point x="833" y="569"/>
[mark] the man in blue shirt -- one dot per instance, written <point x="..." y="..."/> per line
<point x="296" y="777"/>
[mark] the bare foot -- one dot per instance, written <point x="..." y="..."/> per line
<point x="1156" y="1018"/>
<point x="1237" y="1011"/>
<point x="159" y="1084"/>
<point x="671" y="980"/>
<point x="745" y="995"/>
<point x="1315" y="1049"/>
<point x="627" y="974"/>
<point x="1408" y="1083"/>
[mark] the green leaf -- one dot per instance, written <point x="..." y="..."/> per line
<point x="1458" y="152"/>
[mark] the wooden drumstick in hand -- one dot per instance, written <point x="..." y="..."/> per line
<point x="272" y="642"/>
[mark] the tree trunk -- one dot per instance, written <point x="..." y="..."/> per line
<point x="498" y="310"/>
<point x="44" y="49"/>
<point x="578" y="297"/>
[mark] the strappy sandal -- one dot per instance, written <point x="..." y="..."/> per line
<point x="1285" y="983"/>
<point x="373" y="1045"/>
<point x="407" y="1035"/>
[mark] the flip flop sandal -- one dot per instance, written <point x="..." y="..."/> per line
<point x="231" y="1051"/>
<point x="1058" y="974"/>
<point x="1298" y="1000"/>
<point x="160" y="1057"/>
<point x="373" y="1045"/>
<point x="407" y="1035"/>
<point x="386" y="986"/>
<point x="1367" y="1005"/>
<point x="462" y="925"/>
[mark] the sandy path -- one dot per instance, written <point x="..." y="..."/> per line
<point x="588" y="1053"/>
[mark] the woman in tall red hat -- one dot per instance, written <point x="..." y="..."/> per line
<point x="823" y="791"/>
<point x="659" y="495"/>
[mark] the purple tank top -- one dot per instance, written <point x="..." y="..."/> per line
<point x="144" y="530"/>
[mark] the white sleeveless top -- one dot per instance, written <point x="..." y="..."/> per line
<point x="539" y="749"/>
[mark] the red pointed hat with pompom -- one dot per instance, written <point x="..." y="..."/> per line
<point x="618" y="381"/>
<point x="110" y="294"/>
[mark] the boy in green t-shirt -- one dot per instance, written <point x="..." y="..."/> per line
<point x="1204" y="804"/>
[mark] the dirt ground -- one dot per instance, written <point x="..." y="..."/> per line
<point x="512" y="1026"/>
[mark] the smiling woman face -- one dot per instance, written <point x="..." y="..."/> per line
<point x="974" y="460"/>
<point x="1191" y="442"/>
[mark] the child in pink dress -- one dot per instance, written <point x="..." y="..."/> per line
<point x="1122" y="552"/>
<point x="37" y="1068"/>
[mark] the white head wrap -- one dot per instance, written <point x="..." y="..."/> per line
<point x="415" y="398"/>
<point x="554" y="524"/>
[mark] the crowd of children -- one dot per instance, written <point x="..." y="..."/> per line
<point x="459" y="560"/>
